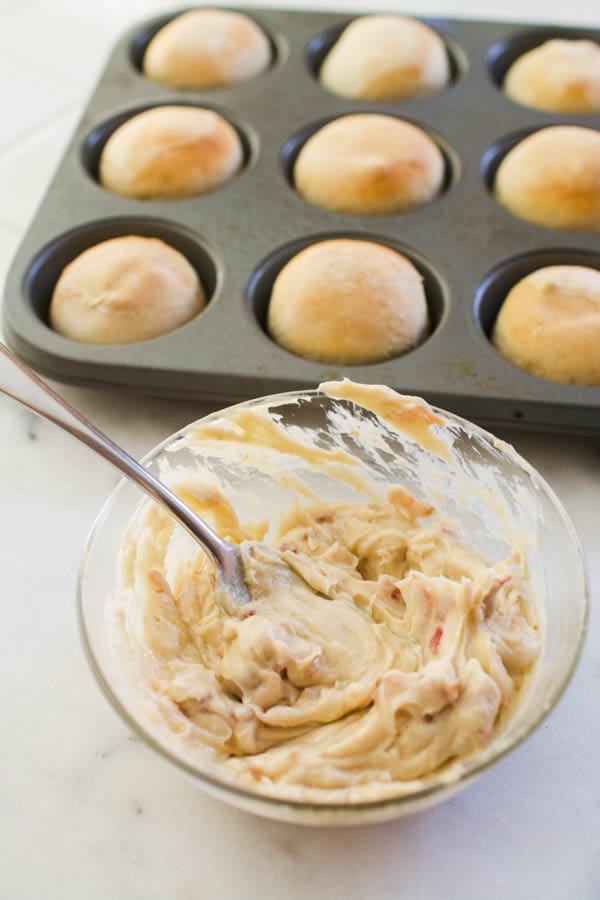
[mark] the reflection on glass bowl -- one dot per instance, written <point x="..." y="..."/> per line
<point x="489" y="489"/>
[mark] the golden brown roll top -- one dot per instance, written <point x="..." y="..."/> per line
<point x="207" y="48"/>
<point x="386" y="58"/>
<point x="369" y="164"/>
<point x="552" y="178"/>
<point x="348" y="302"/>
<point x="549" y="325"/>
<point x="124" y="290"/>
<point x="561" y="76"/>
<point x="170" y="152"/>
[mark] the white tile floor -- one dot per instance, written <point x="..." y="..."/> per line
<point x="27" y="165"/>
<point x="6" y="5"/>
<point x="9" y="239"/>
<point x="76" y="30"/>
<point x="30" y="99"/>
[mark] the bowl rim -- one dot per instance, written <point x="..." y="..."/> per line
<point x="470" y="768"/>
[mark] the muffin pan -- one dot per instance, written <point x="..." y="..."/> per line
<point x="469" y="250"/>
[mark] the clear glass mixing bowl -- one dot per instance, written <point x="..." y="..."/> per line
<point x="489" y="489"/>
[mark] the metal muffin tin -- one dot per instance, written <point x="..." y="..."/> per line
<point x="470" y="250"/>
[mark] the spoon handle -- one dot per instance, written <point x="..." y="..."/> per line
<point x="19" y="382"/>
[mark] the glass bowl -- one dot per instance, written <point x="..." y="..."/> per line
<point x="498" y="498"/>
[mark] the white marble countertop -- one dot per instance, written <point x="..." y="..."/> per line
<point x="88" y="812"/>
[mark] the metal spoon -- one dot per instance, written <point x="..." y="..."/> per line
<point x="19" y="382"/>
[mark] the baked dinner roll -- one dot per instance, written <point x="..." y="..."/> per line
<point x="552" y="178"/>
<point x="207" y="48"/>
<point x="348" y="302"/>
<point x="170" y="152"/>
<point x="549" y="325"/>
<point x="369" y="165"/>
<point x="386" y="58"/>
<point x="559" y="76"/>
<point x="124" y="290"/>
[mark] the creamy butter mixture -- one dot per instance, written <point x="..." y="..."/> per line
<point x="378" y="645"/>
